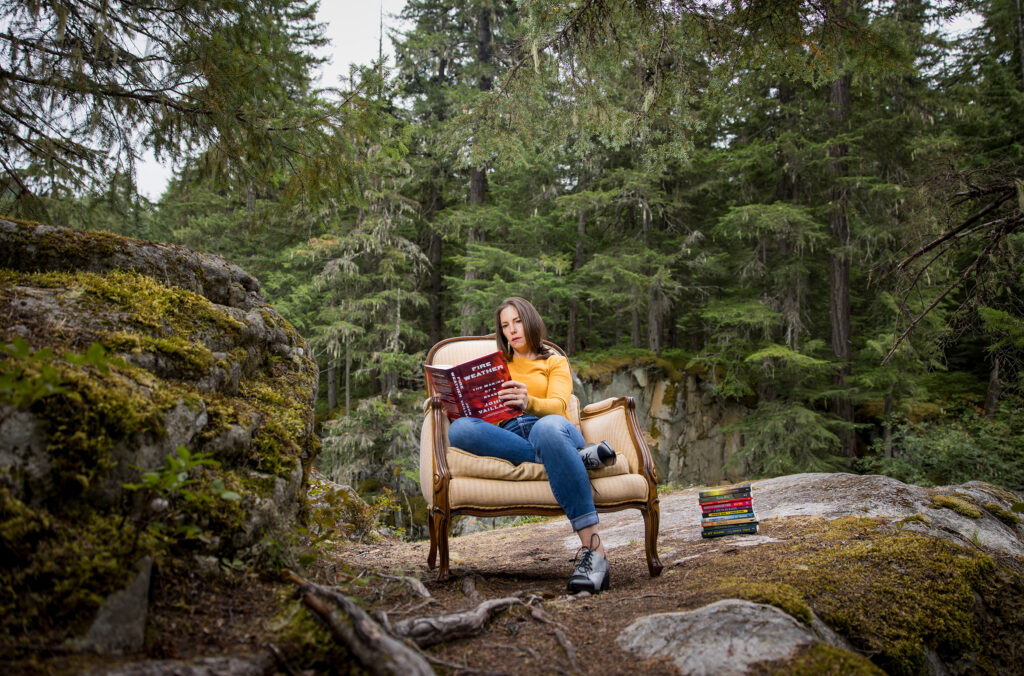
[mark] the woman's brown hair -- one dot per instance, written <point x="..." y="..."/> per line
<point x="534" y="330"/>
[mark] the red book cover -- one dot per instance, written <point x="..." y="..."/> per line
<point x="471" y="388"/>
<point x="725" y="505"/>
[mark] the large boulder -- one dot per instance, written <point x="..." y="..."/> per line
<point x="151" y="404"/>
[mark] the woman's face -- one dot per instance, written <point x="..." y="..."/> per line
<point x="512" y="329"/>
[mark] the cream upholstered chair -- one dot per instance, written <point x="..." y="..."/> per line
<point x="456" y="482"/>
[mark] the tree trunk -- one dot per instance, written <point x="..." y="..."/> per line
<point x="1020" y="39"/>
<point x="348" y="381"/>
<point x="478" y="175"/>
<point x="887" y="423"/>
<point x="574" y="306"/>
<point x="332" y="386"/>
<point x="634" y="338"/>
<point x="654" y="318"/>
<point x="839" y="264"/>
<point x="436" y="309"/>
<point x="434" y="253"/>
<point x="994" y="389"/>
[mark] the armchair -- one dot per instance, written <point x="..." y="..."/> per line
<point x="456" y="482"/>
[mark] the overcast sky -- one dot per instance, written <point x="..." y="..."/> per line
<point x="353" y="27"/>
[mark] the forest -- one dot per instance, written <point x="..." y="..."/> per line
<point x="816" y="203"/>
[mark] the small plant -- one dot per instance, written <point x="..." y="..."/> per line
<point x="28" y="375"/>
<point x="177" y="495"/>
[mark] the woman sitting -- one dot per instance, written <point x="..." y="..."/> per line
<point x="541" y="387"/>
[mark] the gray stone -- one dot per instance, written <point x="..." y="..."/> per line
<point x="682" y="421"/>
<point x="120" y="624"/>
<point x="723" y="638"/>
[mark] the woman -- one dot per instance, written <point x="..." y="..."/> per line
<point x="541" y="386"/>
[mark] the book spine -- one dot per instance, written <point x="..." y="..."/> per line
<point x="725" y="504"/>
<point x="737" y="495"/>
<point x="728" y="521"/>
<point x="725" y="490"/>
<point x="732" y="530"/>
<point x="735" y="513"/>
<point x="727" y="517"/>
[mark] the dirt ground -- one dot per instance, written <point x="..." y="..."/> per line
<point x="195" y="616"/>
<point x="192" y="615"/>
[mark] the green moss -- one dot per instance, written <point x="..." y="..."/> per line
<point x="1004" y="515"/>
<point x="55" y="572"/>
<point x="820" y="659"/>
<point x="893" y="592"/>
<point x="194" y="357"/>
<point x="961" y="504"/>
<point x="899" y="592"/>
<point x="671" y="395"/>
<point x="308" y="644"/>
<point x="783" y="596"/>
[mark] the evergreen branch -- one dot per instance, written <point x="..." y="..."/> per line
<point x="950" y="234"/>
<point x="993" y="240"/>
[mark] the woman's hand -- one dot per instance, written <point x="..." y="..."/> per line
<point x="513" y="393"/>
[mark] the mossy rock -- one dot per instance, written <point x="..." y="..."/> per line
<point x="124" y="360"/>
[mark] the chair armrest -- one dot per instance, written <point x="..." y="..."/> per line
<point x="434" y="472"/>
<point x="614" y="420"/>
<point x="599" y="406"/>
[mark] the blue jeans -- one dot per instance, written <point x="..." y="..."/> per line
<point x="551" y="440"/>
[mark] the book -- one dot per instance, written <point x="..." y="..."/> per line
<point x="723" y="490"/>
<point x="733" y="493"/>
<point x="727" y="517"/>
<point x="725" y="504"/>
<point x="728" y="521"/>
<point x="470" y="389"/>
<point x="741" y="529"/>
<point x="730" y="512"/>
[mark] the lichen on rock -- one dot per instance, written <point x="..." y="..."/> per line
<point x="117" y="354"/>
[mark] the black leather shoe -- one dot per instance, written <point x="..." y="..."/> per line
<point x="592" y="572"/>
<point x="596" y="456"/>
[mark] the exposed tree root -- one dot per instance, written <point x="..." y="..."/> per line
<point x="426" y="631"/>
<point x="379" y="652"/>
<point x="385" y="648"/>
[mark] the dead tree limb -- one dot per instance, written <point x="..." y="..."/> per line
<point x="426" y="631"/>
<point x="379" y="652"/>
<point x="966" y="273"/>
<point x="558" y="629"/>
<point x="411" y="582"/>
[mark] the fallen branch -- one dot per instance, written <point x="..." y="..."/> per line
<point x="557" y="627"/>
<point x="410" y="582"/>
<point x="426" y="631"/>
<point x="379" y="652"/>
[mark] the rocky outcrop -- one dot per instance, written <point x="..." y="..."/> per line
<point x="151" y="401"/>
<point x="683" y="419"/>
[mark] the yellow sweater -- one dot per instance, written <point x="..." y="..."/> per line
<point x="548" y="382"/>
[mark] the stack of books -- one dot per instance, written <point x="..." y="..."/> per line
<point x="727" y="511"/>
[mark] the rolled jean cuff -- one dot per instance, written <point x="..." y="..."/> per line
<point x="581" y="522"/>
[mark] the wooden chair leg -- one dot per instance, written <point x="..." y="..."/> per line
<point x="432" y="555"/>
<point x="652" y="517"/>
<point x="441" y="519"/>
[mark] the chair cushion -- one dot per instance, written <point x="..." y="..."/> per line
<point x="465" y="464"/>
<point x="466" y="492"/>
